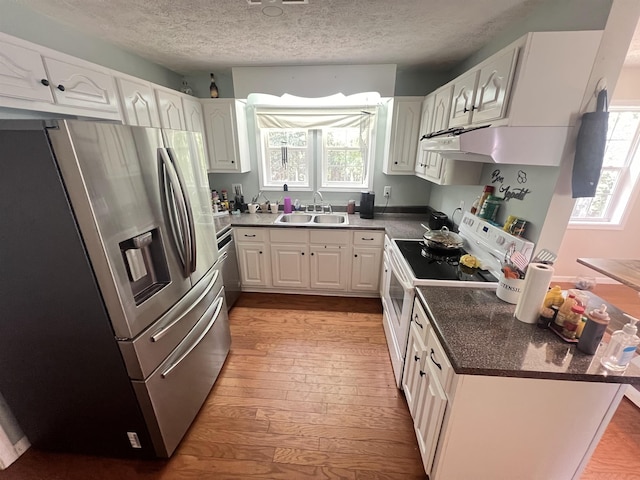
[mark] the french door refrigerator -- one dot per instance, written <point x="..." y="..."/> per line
<point x="113" y="324"/>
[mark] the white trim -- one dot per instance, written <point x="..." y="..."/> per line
<point x="595" y="226"/>
<point x="572" y="278"/>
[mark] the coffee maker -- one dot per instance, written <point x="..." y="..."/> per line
<point x="367" y="199"/>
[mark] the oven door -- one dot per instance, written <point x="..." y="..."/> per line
<point x="397" y="304"/>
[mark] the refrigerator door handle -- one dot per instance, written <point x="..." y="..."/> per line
<point x="175" y="201"/>
<point x="163" y="331"/>
<point x="217" y="305"/>
<point x="192" y="228"/>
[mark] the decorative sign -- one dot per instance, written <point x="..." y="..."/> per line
<point x="508" y="191"/>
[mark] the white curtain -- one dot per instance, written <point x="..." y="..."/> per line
<point x="315" y="118"/>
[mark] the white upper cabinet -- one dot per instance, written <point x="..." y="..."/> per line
<point x="227" y="137"/>
<point x="170" y="108"/>
<point x="403" y="136"/>
<point x="37" y="78"/>
<point x="139" y="106"/>
<point x="480" y="95"/>
<point x="426" y="124"/>
<point x="22" y="74"/>
<point x="193" y="114"/>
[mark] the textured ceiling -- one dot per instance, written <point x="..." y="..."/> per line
<point x="190" y="36"/>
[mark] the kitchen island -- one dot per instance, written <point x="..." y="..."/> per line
<point x="519" y="402"/>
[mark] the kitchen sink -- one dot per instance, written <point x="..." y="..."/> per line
<point x="330" y="218"/>
<point x="325" y="219"/>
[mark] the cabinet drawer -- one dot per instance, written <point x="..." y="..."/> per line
<point x="250" y="234"/>
<point x="438" y="360"/>
<point x="421" y="321"/>
<point x="368" y="238"/>
<point x="329" y="237"/>
<point x="289" y="235"/>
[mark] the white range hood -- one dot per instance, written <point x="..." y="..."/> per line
<point x="543" y="146"/>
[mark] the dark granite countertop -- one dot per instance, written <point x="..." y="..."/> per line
<point x="482" y="337"/>
<point x="395" y="225"/>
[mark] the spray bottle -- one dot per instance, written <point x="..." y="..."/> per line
<point x="621" y="347"/>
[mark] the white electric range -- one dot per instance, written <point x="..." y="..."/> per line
<point x="409" y="263"/>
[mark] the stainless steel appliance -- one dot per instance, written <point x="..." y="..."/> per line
<point x="229" y="262"/>
<point x="114" y="325"/>
<point x="367" y="201"/>
<point x="411" y="263"/>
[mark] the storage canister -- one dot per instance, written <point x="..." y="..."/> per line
<point x="489" y="209"/>
<point x="597" y="322"/>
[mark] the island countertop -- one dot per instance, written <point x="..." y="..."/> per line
<point x="481" y="336"/>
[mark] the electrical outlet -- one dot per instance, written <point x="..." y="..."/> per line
<point x="462" y="205"/>
<point x="387" y="191"/>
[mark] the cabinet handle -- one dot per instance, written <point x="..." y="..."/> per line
<point x="260" y="252"/>
<point x="422" y="374"/>
<point x="436" y="363"/>
<point x="312" y="254"/>
<point x="465" y="109"/>
<point x="416" y="357"/>
<point x="356" y="255"/>
<point x="61" y="87"/>
<point x="233" y="161"/>
<point x="250" y="236"/>
<point x="302" y="253"/>
<point x="368" y="239"/>
<point x="395" y="163"/>
<point x="415" y="319"/>
<point x="45" y="82"/>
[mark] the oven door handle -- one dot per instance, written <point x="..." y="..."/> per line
<point x="397" y="270"/>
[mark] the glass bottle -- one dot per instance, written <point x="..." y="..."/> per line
<point x="213" y="88"/>
<point x="621" y="347"/>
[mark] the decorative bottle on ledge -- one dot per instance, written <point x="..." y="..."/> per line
<point x="213" y="88"/>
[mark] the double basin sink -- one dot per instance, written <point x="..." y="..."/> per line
<point x="325" y="219"/>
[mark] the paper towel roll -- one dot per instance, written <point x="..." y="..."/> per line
<point x="536" y="284"/>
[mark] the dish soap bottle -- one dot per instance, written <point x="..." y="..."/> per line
<point x="621" y="347"/>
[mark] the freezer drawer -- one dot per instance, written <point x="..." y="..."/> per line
<point x="143" y="354"/>
<point x="172" y="396"/>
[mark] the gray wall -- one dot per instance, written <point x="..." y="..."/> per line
<point x="405" y="190"/>
<point x="21" y="22"/>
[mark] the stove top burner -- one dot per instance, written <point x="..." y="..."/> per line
<point x="431" y="264"/>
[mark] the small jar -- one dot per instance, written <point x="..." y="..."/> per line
<point x="571" y="322"/>
<point x="546" y="317"/>
<point x="351" y="207"/>
<point x="489" y="209"/>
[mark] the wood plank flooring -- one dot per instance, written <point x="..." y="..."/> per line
<point x="307" y="393"/>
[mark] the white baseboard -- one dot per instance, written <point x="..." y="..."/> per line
<point x="572" y="278"/>
<point x="633" y="395"/>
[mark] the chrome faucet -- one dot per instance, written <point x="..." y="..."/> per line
<point x="315" y="202"/>
<point x="260" y="193"/>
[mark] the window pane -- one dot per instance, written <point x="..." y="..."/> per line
<point x="596" y="208"/>
<point x="290" y="137"/>
<point x="296" y="169"/>
<point x="622" y="128"/>
<point x="343" y="137"/>
<point x="345" y="166"/>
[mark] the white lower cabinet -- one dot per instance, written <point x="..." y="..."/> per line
<point x="253" y="257"/>
<point x="322" y="261"/>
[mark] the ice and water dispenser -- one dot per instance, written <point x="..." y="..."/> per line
<point x="146" y="264"/>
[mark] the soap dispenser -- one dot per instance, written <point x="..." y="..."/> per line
<point x="621" y="347"/>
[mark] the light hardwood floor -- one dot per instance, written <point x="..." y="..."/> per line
<point x="307" y="393"/>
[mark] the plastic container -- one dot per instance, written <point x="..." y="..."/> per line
<point x="565" y="309"/>
<point x="351" y="207"/>
<point x="571" y="322"/>
<point x="597" y="322"/>
<point x="489" y="209"/>
<point x="475" y="205"/>
<point x="621" y="347"/>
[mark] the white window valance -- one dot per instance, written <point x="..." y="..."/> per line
<point x="314" y="118"/>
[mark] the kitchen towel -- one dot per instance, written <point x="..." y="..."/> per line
<point x="536" y="284"/>
<point x="590" y="146"/>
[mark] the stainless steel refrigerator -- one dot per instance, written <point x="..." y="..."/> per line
<point x="113" y="323"/>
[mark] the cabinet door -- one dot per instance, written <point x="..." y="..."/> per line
<point x="193" y="115"/>
<point x="441" y="108"/>
<point x="220" y="122"/>
<point x="22" y="74"/>
<point x="463" y="98"/>
<point x="414" y="370"/>
<point x="426" y="126"/>
<point x="170" y="109"/>
<point x="433" y="167"/>
<point x="404" y="135"/>
<point x="494" y="86"/>
<point x="78" y="86"/>
<point x="328" y="267"/>
<point x="290" y="266"/>
<point x="430" y="413"/>
<point x="253" y="260"/>
<point x="365" y="269"/>
<point x="138" y="103"/>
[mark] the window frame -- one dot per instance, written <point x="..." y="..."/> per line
<point x="264" y="166"/>
<point x="625" y="186"/>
